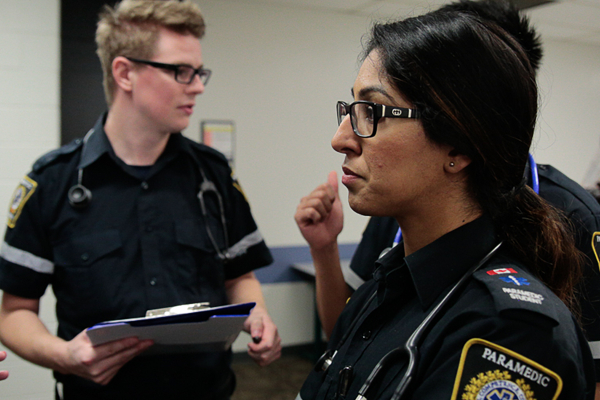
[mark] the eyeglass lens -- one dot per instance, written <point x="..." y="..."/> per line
<point x="186" y="74"/>
<point x="361" y="117"/>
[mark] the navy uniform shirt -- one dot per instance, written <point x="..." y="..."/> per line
<point x="505" y="334"/>
<point x="141" y="243"/>
<point x="563" y="193"/>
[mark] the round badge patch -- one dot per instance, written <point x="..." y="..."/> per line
<point x="501" y="390"/>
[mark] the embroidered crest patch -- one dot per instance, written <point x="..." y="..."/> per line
<point x="596" y="246"/>
<point x="22" y="193"/>
<point x="491" y="372"/>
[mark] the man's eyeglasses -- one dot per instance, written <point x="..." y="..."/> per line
<point x="364" y="115"/>
<point x="183" y="73"/>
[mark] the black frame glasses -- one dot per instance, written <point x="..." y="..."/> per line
<point x="364" y="115"/>
<point x="180" y="70"/>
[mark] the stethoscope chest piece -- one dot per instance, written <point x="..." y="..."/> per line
<point x="79" y="196"/>
<point x="325" y="361"/>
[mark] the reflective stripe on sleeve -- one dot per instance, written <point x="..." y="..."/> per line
<point x="352" y="278"/>
<point x="243" y="245"/>
<point x="25" y="259"/>
<point x="595" y="347"/>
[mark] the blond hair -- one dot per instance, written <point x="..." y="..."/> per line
<point x="131" y="29"/>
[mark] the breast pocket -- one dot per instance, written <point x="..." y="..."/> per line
<point x="85" y="279"/>
<point x="197" y="258"/>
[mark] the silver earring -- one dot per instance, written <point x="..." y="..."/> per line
<point x="452" y="163"/>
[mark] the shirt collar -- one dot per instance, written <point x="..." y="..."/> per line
<point x="96" y="144"/>
<point x="440" y="264"/>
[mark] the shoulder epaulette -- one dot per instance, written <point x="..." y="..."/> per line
<point x="202" y="148"/>
<point x="54" y="155"/>
<point x="518" y="294"/>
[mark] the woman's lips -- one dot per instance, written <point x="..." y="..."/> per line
<point x="349" y="176"/>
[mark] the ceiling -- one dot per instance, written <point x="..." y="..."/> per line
<point x="570" y="20"/>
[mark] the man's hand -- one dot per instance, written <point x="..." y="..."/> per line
<point x="319" y="215"/>
<point x="266" y="343"/>
<point x="99" y="363"/>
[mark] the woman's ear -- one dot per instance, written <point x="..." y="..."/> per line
<point x="121" y="70"/>
<point x="456" y="162"/>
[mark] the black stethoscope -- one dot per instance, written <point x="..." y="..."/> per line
<point x="79" y="197"/>
<point x="411" y="347"/>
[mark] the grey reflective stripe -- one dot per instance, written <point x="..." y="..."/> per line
<point x="25" y="259"/>
<point x="595" y="347"/>
<point x="352" y="278"/>
<point x="243" y="245"/>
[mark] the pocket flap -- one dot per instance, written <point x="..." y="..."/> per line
<point x="84" y="250"/>
<point x="193" y="233"/>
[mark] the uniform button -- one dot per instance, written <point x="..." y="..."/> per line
<point x="145" y="185"/>
<point x="366" y="335"/>
<point x="153" y="281"/>
<point x="85" y="256"/>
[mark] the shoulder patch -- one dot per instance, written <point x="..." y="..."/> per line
<point x="20" y="196"/>
<point x="237" y="185"/>
<point x="52" y="156"/>
<point x="488" y="371"/>
<point x="596" y="247"/>
<point x="515" y="290"/>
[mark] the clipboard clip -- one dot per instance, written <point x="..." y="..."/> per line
<point x="181" y="309"/>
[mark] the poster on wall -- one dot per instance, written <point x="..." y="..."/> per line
<point x="220" y="135"/>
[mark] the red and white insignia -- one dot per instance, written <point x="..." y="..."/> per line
<point x="500" y="271"/>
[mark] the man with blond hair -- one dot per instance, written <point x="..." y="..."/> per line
<point x="134" y="217"/>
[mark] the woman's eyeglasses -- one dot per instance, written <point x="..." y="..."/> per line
<point x="364" y="115"/>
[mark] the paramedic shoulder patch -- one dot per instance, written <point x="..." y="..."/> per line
<point x="491" y="372"/>
<point x="22" y="193"/>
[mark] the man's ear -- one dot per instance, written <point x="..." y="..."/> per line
<point x="456" y="162"/>
<point x="121" y="70"/>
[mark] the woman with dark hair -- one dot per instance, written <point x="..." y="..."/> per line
<point x="468" y="306"/>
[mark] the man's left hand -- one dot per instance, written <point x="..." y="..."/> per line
<point x="265" y="346"/>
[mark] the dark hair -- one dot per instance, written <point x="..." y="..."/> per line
<point x="475" y="90"/>
<point x="508" y="17"/>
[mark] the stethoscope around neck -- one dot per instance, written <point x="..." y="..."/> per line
<point x="411" y="347"/>
<point x="80" y="197"/>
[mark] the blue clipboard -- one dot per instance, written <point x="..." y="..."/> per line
<point x="209" y="329"/>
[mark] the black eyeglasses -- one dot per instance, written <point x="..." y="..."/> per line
<point x="364" y="115"/>
<point x="183" y="73"/>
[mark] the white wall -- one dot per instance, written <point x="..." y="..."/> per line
<point x="277" y="72"/>
<point x="568" y="134"/>
<point x="29" y="117"/>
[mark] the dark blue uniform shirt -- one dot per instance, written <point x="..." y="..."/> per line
<point x="505" y="334"/>
<point x="141" y="243"/>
